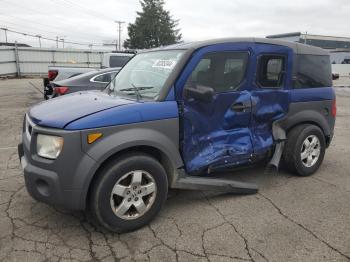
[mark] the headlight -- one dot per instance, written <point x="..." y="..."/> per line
<point x="49" y="146"/>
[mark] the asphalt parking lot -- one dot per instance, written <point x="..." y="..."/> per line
<point x="290" y="219"/>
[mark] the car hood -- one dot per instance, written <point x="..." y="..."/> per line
<point x="59" y="112"/>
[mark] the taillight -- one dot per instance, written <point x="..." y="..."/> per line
<point x="61" y="90"/>
<point x="51" y="74"/>
<point x="334" y="108"/>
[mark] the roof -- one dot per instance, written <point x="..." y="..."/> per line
<point x="311" y="36"/>
<point x="13" y="44"/>
<point x="284" y="35"/>
<point x="298" y="48"/>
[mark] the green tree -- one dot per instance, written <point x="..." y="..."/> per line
<point x="153" y="27"/>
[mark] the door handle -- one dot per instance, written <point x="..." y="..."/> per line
<point x="240" y="107"/>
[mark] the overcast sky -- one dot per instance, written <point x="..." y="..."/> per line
<point x="93" y="21"/>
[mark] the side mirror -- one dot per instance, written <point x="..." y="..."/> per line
<point x="335" y="76"/>
<point x="201" y="93"/>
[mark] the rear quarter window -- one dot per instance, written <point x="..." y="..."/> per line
<point x="312" y="71"/>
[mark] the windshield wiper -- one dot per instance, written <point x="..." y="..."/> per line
<point x="137" y="90"/>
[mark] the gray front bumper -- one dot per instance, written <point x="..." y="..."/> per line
<point x="59" y="182"/>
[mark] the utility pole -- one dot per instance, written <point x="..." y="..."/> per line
<point x="62" y="39"/>
<point x="39" y="37"/>
<point x="306" y="37"/>
<point x="5" y="30"/>
<point x="120" y="32"/>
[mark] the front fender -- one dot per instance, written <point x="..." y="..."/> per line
<point x="160" y="134"/>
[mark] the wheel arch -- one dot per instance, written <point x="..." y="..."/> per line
<point x="163" y="157"/>
<point x="311" y="117"/>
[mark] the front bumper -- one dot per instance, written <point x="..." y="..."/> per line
<point x="61" y="182"/>
<point x="44" y="185"/>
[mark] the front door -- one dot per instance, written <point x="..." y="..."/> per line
<point x="217" y="134"/>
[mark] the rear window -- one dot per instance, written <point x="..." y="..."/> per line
<point x="313" y="71"/>
<point x="105" y="78"/>
<point x="118" y="61"/>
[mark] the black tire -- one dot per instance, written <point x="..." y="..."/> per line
<point x="292" y="150"/>
<point x="99" y="206"/>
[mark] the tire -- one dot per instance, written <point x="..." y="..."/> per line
<point x="297" y="153"/>
<point x="118" y="176"/>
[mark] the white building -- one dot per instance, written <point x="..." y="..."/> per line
<point x="339" y="47"/>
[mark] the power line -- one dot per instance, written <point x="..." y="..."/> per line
<point x="51" y="39"/>
<point x="101" y="16"/>
<point x="35" y="30"/>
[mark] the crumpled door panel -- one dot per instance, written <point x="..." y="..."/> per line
<point x="214" y="135"/>
<point x="269" y="106"/>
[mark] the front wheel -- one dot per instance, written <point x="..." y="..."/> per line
<point x="128" y="193"/>
<point x="304" y="150"/>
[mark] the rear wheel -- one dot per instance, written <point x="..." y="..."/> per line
<point x="304" y="150"/>
<point x="128" y="193"/>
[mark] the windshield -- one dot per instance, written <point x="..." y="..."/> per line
<point x="145" y="74"/>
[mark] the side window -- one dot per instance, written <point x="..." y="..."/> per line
<point x="313" y="71"/>
<point x="271" y="71"/>
<point x="118" y="61"/>
<point x="222" y="71"/>
<point x="113" y="74"/>
<point x="105" y="78"/>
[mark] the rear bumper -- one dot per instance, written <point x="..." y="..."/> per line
<point x="329" y="139"/>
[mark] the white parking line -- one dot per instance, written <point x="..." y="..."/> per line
<point x="35" y="87"/>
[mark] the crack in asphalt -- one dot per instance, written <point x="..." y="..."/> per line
<point x="91" y="252"/>
<point x="234" y="228"/>
<point x="8" y="213"/>
<point x="260" y="254"/>
<point x="304" y="227"/>
<point x="329" y="183"/>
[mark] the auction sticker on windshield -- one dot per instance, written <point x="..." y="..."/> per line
<point x="167" y="64"/>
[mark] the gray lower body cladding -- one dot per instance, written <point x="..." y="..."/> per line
<point x="65" y="181"/>
<point x="314" y="112"/>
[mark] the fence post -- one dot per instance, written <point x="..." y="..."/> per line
<point x="101" y="57"/>
<point x="53" y="62"/>
<point x="17" y="60"/>
<point x="88" y="58"/>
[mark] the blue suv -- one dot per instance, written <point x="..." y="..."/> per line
<point x="171" y="118"/>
